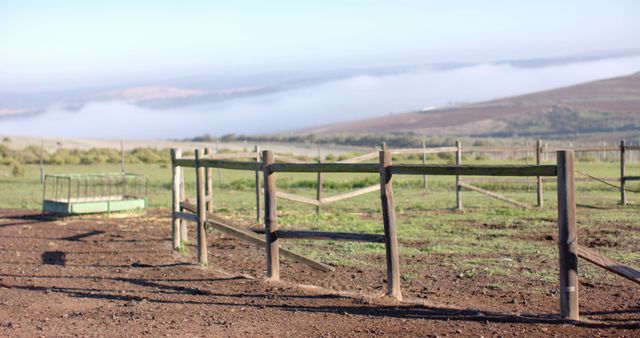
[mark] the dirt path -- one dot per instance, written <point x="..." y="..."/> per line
<point x="119" y="277"/>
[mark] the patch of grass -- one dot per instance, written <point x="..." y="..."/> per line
<point x="493" y="286"/>
<point x="183" y="248"/>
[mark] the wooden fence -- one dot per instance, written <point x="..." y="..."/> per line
<point x="563" y="170"/>
<point x="539" y="149"/>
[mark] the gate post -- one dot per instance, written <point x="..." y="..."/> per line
<point x="256" y="149"/>
<point x="270" y="217"/>
<point x="319" y="184"/>
<point x="623" y="193"/>
<point x="390" y="233"/>
<point x="458" y="162"/>
<point x="202" y="211"/>
<point x="208" y="191"/>
<point x="567" y="236"/>
<point x="539" y="179"/>
<point x="175" y="198"/>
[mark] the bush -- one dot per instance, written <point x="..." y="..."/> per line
<point x="17" y="170"/>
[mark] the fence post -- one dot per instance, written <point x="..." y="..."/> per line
<point x="256" y="149"/>
<point x="208" y="192"/>
<point x="202" y="212"/>
<point x="184" y="230"/>
<point x="122" y="169"/>
<point x="458" y="162"/>
<point x="389" y="221"/>
<point x="424" y="161"/>
<point x="175" y="198"/>
<point x="270" y="217"/>
<point x="319" y="184"/>
<point x="539" y="179"/>
<point x="623" y="193"/>
<point x="218" y="169"/>
<point x="42" y="161"/>
<point x="567" y="236"/>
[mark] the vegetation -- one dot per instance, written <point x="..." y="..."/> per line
<point x="528" y="128"/>
<point x="63" y="156"/>
<point x="567" y="121"/>
<point x="489" y="238"/>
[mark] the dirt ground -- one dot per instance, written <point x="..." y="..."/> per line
<point x="98" y="276"/>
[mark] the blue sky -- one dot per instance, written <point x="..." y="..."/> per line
<point x="67" y="44"/>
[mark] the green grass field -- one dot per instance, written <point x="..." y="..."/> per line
<point x="471" y="242"/>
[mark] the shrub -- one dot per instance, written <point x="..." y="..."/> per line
<point x="17" y="170"/>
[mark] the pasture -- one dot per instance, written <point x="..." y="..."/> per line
<point x="490" y="258"/>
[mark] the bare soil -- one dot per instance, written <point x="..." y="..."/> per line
<point x="117" y="276"/>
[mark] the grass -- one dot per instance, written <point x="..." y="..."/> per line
<point x="489" y="238"/>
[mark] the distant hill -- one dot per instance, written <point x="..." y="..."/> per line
<point x="603" y="106"/>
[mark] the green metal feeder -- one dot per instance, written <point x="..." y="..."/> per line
<point x="73" y="194"/>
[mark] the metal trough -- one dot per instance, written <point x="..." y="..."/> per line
<point x="73" y="194"/>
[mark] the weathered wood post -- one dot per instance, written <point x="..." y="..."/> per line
<point x="175" y="198"/>
<point x="42" y="162"/>
<point x="319" y="184"/>
<point x="184" y="230"/>
<point x="424" y="161"/>
<point x="539" y="179"/>
<point x="202" y="212"/>
<point x="219" y="172"/>
<point x="270" y="217"/>
<point x="122" y="169"/>
<point x="623" y="193"/>
<point x="458" y="162"/>
<point x="256" y="149"/>
<point x="208" y="192"/>
<point x="389" y="221"/>
<point x="567" y="236"/>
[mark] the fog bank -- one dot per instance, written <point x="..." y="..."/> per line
<point x="335" y="101"/>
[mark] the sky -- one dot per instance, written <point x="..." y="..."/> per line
<point x="56" y="45"/>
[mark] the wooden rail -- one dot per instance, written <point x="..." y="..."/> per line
<point x="333" y="236"/>
<point x="608" y="264"/>
<point x="474" y="170"/>
<point x="225" y="156"/>
<point x="361" y="158"/>
<point x="323" y="167"/>
<point x="288" y="159"/>
<point x="351" y="194"/>
<point x="581" y="149"/>
<point x="297" y="198"/>
<point x="494" y="195"/>
<point x="437" y="150"/>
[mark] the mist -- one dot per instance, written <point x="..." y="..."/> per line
<point x="329" y="102"/>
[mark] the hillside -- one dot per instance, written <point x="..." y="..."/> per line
<point x="603" y="106"/>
